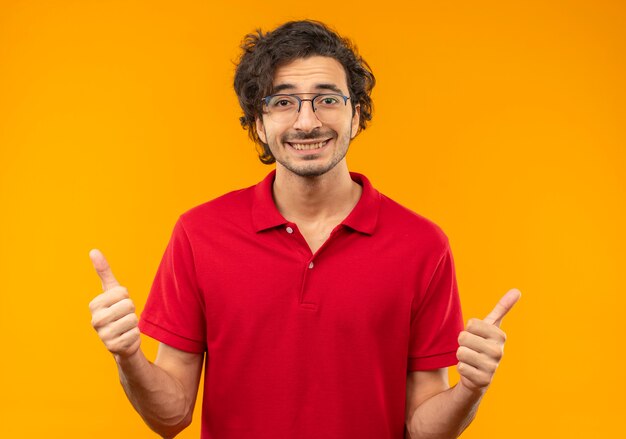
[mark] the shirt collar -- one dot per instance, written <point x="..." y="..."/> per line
<point x="265" y="214"/>
<point x="363" y="217"/>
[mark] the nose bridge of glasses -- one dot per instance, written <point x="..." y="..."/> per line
<point x="301" y="101"/>
<point x="306" y="118"/>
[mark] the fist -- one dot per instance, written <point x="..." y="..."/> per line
<point x="481" y="346"/>
<point x="113" y="312"/>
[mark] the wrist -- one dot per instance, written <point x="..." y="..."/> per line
<point x="131" y="362"/>
<point x="465" y="393"/>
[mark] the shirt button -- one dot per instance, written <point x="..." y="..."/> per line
<point x="289" y="229"/>
<point x="311" y="265"/>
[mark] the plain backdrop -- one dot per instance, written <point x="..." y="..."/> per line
<point x="503" y="122"/>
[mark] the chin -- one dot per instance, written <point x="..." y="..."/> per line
<point x="311" y="170"/>
<point x="308" y="171"/>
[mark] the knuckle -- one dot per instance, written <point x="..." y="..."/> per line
<point x="110" y="345"/>
<point x="95" y="303"/>
<point x="95" y="323"/>
<point x="475" y="325"/>
<point x="463" y="352"/>
<point x="492" y="367"/>
<point x="463" y="336"/>
<point x="105" y="334"/>
<point x="114" y="347"/>
<point x="127" y="305"/>
<point x="97" y="320"/>
<point x="485" y="379"/>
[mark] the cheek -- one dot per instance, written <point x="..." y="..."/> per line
<point x="270" y="135"/>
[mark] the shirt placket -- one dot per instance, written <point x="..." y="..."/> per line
<point x="308" y="297"/>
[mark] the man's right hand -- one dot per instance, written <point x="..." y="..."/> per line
<point x="113" y="312"/>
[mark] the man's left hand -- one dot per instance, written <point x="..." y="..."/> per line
<point x="481" y="346"/>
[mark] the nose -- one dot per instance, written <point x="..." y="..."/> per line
<point x="306" y="119"/>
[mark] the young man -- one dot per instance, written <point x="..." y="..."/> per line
<point x="319" y="307"/>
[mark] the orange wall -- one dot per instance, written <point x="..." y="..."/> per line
<point x="504" y="122"/>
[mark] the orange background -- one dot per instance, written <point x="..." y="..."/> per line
<point x="504" y="122"/>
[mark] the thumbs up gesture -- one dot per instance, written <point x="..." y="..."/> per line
<point x="481" y="345"/>
<point x="113" y="312"/>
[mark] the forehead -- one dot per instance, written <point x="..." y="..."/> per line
<point x="307" y="74"/>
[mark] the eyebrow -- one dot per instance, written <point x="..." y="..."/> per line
<point x="318" y="87"/>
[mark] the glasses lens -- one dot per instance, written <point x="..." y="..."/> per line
<point x="329" y="107"/>
<point x="282" y="107"/>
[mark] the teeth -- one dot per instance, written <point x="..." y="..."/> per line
<point x="308" y="146"/>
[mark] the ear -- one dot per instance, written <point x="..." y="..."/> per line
<point x="260" y="130"/>
<point x="356" y="118"/>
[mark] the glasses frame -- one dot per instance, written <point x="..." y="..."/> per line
<point x="266" y="99"/>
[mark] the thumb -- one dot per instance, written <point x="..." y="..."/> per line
<point x="104" y="271"/>
<point x="503" y="307"/>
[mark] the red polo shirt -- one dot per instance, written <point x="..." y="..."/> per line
<point x="303" y="345"/>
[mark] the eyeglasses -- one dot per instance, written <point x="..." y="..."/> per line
<point x="284" y="108"/>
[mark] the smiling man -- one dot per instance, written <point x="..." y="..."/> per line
<point x="319" y="307"/>
<point x="309" y="141"/>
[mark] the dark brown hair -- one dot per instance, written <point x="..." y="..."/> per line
<point x="264" y="53"/>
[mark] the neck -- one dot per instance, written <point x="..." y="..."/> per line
<point x="313" y="199"/>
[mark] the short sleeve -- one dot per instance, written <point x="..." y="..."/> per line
<point x="174" y="311"/>
<point x="436" y="319"/>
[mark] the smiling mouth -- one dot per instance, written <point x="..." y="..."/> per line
<point x="308" y="146"/>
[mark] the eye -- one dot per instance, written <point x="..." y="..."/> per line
<point x="282" y="102"/>
<point x="328" y="100"/>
